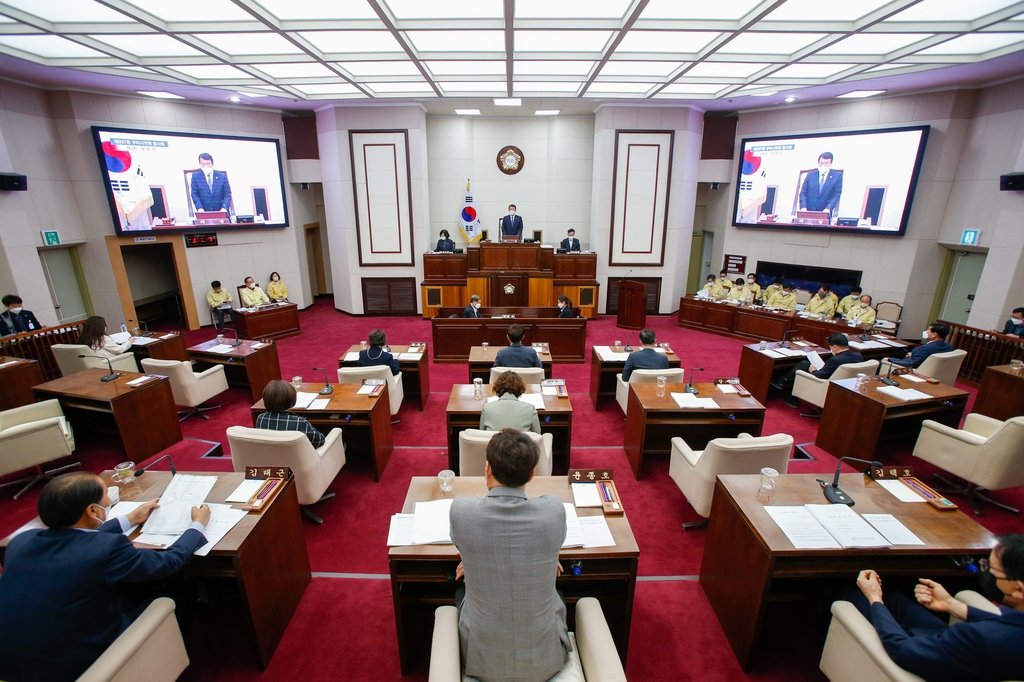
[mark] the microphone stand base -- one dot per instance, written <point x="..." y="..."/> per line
<point x="327" y="390"/>
<point x="110" y="377"/>
<point x="889" y="382"/>
<point x="837" y="496"/>
<point x="691" y="389"/>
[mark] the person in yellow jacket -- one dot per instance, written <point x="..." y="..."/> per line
<point x="219" y="301"/>
<point x="723" y="279"/>
<point x="863" y="314"/>
<point x="252" y="295"/>
<point x="738" y="291"/>
<point x="784" y="299"/>
<point x="753" y="288"/>
<point x="849" y="302"/>
<point x="276" y="290"/>
<point x="821" y="303"/>
<point x="714" y="289"/>
<point x="772" y="289"/>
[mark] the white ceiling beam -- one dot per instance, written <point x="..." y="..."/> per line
<point x="389" y="21"/>
<point x="509" y="27"/>
<point x="632" y="14"/>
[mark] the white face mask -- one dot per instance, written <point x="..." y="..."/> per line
<point x="924" y="334"/>
<point x="561" y="305"/>
<point x="863" y="305"/>
<point x="15" y="311"/>
<point x="476" y="305"/>
<point x="751" y="280"/>
<point x="276" y="278"/>
<point x="512" y="212"/>
<point x="252" y="285"/>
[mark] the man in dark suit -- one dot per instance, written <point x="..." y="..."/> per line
<point x="821" y="190"/>
<point x="59" y="602"/>
<point x="211" y="190"/>
<point x="984" y="646"/>
<point x="570" y="243"/>
<point x="516" y="355"/>
<point x="473" y="309"/>
<point x="511" y="617"/>
<point x="377" y="354"/>
<point x="512" y="224"/>
<point x="445" y="242"/>
<point x="839" y="345"/>
<point x="646" y="357"/>
<point x="16" y="319"/>
<point x="934" y="342"/>
<point x="1015" y="325"/>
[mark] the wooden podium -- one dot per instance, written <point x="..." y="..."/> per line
<point x="632" y="304"/>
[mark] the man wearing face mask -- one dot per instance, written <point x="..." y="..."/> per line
<point x="59" y="602"/>
<point x="821" y="303"/>
<point x="512" y="225"/>
<point x="473" y="309"/>
<point x="1014" y="326"/>
<point x="985" y="646"/>
<point x="252" y="295"/>
<point x="849" y="302"/>
<point x="753" y="288"/>
<point x="934" y="342"/>
<point x="862" y="314"/>
<point x="16" y="319"/>
<point x="839" y="346"/>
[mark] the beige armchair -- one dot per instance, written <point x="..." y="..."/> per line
<point x="674" y="376"/>
<point x="473" y="451"/>
<point x="594" y="653"/>
<point x="530" y="375"/>
<point x="31" y="436"/>
<point x="942" y="366"/>
<point x="314" y="469"/>
<point x="150" y="649"/>
<point x="810" y="388"/>
<point x="987" y="453"/>
<point x="355" y="375"/>
<point x="694" y="471"/>
<point x="190" y="389"/>
<point x="854" y="653"/>
<point x="66" y="355"/>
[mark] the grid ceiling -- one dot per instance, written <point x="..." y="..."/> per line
<point x="609" y="49"/>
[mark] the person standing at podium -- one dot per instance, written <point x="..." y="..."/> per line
<point x="517" y="355"/>
<point x="512" y="225"/>
<point x="821" y="190"/>
<point x="570" y="243"/>
<point x="646" y="357"/>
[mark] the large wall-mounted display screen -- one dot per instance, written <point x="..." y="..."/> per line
<point x="859" y="182"/>
<point x="175" y="182"/>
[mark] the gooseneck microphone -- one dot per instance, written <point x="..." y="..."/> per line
<point x="174" y="472"/>
<point x="887" y="379"/>
<point x="327" y="389"/>
<point x="235" y="332"/>
<point x="629" y="340"/>
<point x="689" y="386"/>
<point x="833" y="493"/>
<point x="784" y="343"/>
<point x="110" y="377"/>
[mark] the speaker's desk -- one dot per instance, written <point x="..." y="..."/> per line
<point x="879" y="416"/>
<point x="415" y="372"/>
<point x="453" y="338"/>
<point x="143" y="416"/>
<point x="653" y="418"/>
<point x="252" y="364"/>
<point x="602" y="372"/>
<point x="482" y="359"/>
<point x="365" y="421"/>
<point x="423" y="576"/>
<point x="273" y="321"/>
<point x="265" y="554"/>
<point x="556" y="418"/>
<point x="748" y="560"/>
<point x="17" y="377"/>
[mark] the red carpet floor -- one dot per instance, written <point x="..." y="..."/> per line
<point x="344" y="628"/>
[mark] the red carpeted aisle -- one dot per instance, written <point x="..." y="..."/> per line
<point x="344" y="628"/>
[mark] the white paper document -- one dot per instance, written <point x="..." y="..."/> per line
<point x="772" y="354"/>
<point x="158" y="541"/>
<point x="222" y="519"/>
<point x="901" y="491"/>
<point x="124" y="509"/>
<point x="691" y="401"/>
<point x="174" y="514"/>
<point x="303" y="399"/>
<point x="120" y="337"/>
<point x="167" y="336"/>
<point x="606" y="354"/>
<point x="791" y="352"/>
<point x="904" y="393"/>
<point x="319" y="404"/>
<point x="864" y="345"/>
<point x="414" y="357"/>
<point x="549" y="390"/>
<point x="846" y="526"/>
<point x="894" y="531"/>
<point x="221" y="348"/>
<point x="586" y="495"/>
<point x="245" y="490"/>
<point x="816" y="361"/>
<point x="142" y="380"/>
<point x="573" y="531"/>
<point x="911" y="377"/>
<point x="431" y="524"/>
<point x="400" y="531"/>
<point x="535" y="399"/>
<point x="802" y="529"/>
<point x="661" y="350"/>
<point x="727" y="388"/>
<point x="367" y="389"/>
<point x="143" y="340"/>
<point x="596" y="532"/>
<point x="351" y="357"/>
<point x="891" y="343"/>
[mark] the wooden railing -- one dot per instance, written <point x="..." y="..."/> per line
<point x="984" y="349"/>
<point x="35" y="345"/>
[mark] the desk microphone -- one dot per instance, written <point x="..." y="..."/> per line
<point x="689" y="386"/>
<point x="146" y="327"/>
<point x="629" y="339"/>
<point x="887" y="379"/>
<point x="833" y="493"/>
<point x="174" y="472"/>
<point x="235" y="332"/>
<point x="327" y="389"/>
<point x="626" y="275"/>
<point x="784" y="343"/>
<point x="110" y="377"/>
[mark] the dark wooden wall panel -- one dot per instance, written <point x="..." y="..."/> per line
<point x="300" y="139"/>
<point x="719" y="137"/>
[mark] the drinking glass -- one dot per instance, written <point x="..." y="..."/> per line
<point x="662" y="380"/>
<point x="444" y="479"/>
<point x="114" y="493"/>
<point x="768" y="478"/>
<point x="124" y="473"/>
<point x="220" y="339"/>
<point x="297" y="382"/>
<point x="1016" y="365"/>
<point x="478" y="388"/>
<point x="362" y="345"/>
<point x="618" y="344"/>
<point x="484" y="346"/>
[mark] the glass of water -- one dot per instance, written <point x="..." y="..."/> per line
<point x="297" y="382"/>
<point x="444" y="480"/>
<point x="484" y="346"/>
<point x="362" y="345"/>
<point x="478" y="388"/>
<point x="1016" y="365"/>
<point x="769" y="477"/>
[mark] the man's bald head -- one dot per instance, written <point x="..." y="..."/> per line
<point x="64" y="500"/>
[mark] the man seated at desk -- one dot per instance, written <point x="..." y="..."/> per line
<point x="16" y="320"/>
<point x="60" y="606"/>
<point x="219" y="301"/>
<point x="822" y="302"/>
<point x="512" y="225"/>
<point x="771" y="289"/>
<point x="252" y="295"/>
<point x="713" y="289"/>
<point x="646" y="357"/>
<point x="849" y="302"/>
<point x="517" y="355"/>
<point x="839" y="346"/>
<point x="508" y="411"/>
<point x="862" y="314"/>
<point x="738" y="292"/>
<point x="934" y="342"/>
<point x="379" y="354"/>
<point x="570" y="243"/>
<point x="784" y="299"/>
<point x="511" y="618"/>
<point x="473" y="309"/>
<point x="753" y="287"/>
<point x="983" y="647"/>
<point x="1015" y="325"/>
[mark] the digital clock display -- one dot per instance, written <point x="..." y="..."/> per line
<point x="206" y="239"/>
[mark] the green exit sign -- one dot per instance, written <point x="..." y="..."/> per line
<point x="51" y="238"/>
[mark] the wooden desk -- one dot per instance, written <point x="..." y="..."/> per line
<point x="748" y="561"/>
<point x="143" y="416"/>
<point x="365" y="421"/>
<point x="602" y="372"/>
<point x="1001" y="395"/>
<point x="265" y="553"/>
<point x="652" y="420"/>
<point x="171" y="348"/>
<point x="757" y="370"/>
<point x="556" y="418"/>
<point x="272" y="322"/>
<point x="497" y="311"/>
<point x="17" y="380"/>
<point x="453" y="338"/>
<point x="423" y="577"/>
<point x="481" y="361"/>
<point x="879" y="416"/>
<point x="415" y="373"/>
<point x="252" y="364"/>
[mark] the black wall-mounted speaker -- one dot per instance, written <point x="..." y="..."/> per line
<point x="1011" y="182"/>
<point x="13" y="182"/>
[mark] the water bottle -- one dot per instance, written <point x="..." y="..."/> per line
<point x="123" y="327"/>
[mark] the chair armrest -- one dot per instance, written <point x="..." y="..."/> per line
<point x="963" y="436"/>
<point x="216" y="369"/>
<point x="445" y="659"/>
<point x="810" y="377"/>
<point x="32" y="413"/>
<point x="854" y="651"/>
<point x="685" y="450"/>
<point x="975" y="600"/>
<point x="33" y="427"/>
<point x="981" y="425"/>
<point x="597" y="650"/>
<point x="743" y="435"/>
<point x="151" y="649"/>
<point x="333" y="436"/>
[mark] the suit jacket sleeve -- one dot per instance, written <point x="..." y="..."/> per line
<point x="196" y="202"/>
<point x="535" y="424"/>
<point x="833" y="201"/>
<point x="126" y="563"/>
<point x="804" y="188"/>
<point x="396" y="368"/>
<point x="227" y="193"/>
<point x="628" y="368"/>
<point x="536" y="360"/>
<point x="827" y="370"/>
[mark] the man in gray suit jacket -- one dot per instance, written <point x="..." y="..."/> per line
<point x="511" y="619"/>
<point x="517" y="355"/>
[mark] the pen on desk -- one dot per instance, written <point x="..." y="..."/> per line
<point x="604" y="493"/>
<point x="266" y="491"/>
<point x="918" y="489"/>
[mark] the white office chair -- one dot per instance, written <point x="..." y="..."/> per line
<point x="190" y="389"/>
<point x="987" y="453"/>
<point x="638" y="376"/>
<point x="66" y="355"/>
<point x="942" y="366"/>
<point x="530" y="375"/>
<point x="150" y="649"/>
<point x="810" y="388"/>
<point x="694" y="471"/>
<point x="473" y="451"/>
<point x="355" y="375"/>
<point x="314" y="468"/>
<point x="31" y="436"/>
<point x="594" y="657"/>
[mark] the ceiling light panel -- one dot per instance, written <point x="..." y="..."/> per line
<point x="191" y="10"/>
<point x="340" y="42"/>
<point x="302" y="70"/>
<point x="457" y="41"/>
<point x="467" y="68"/>
<point x="290" y="10"/>
<point x="214" y="71"/>
<point x="817" y="10"/>
<point x="418" y="88"/>
<point x="148" y="45"/>
<point x="589" y="9"/>
<point x="975" y="43"/>
<point x="874" y="43"/>
<point x="538" y="86"/>
<point x="730" y="10"/>
<point x="629" y="68"/>
<point x="446" y="9"/>
<point x="810" y="70"/>
<point x="365" y="69"/>
<point x="473" y="86"/>
<point x="328" y="89"/>
<point x="568" y="67"/>
<point x="636" y="88"/>
<point x="665" y="41"/>
<point x="159" y="94"/>
<point x="693" y="88"/>
<point x="49" y="47"/>
<point x="770" y="43"/>
<point x="561" y="41"/>
<point x="950" y="10"/>
<point x="467" y="112"/>
<point x="68" y="11"/>
<point x="725" y="69"/>
<point x="242" y="44"/>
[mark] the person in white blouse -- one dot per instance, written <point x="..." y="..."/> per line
<point x="94" y="335"/>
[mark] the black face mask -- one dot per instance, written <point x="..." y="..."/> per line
<point x="989" y="589"/>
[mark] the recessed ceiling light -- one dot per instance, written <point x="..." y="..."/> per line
<point x="791" y="99"/>
<point x="234" y="99"/>
<point x="546" y="112"/>
<point x="857" y="94"/>
<point x="508" y="102"/>
<point x="764" y="94"/>
<point x="159" y="94"/>
<point x="467" y="112"/>
<point x="253" y="95"/>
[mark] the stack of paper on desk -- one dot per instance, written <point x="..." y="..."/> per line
<point x="772" y="353"/>
<point x="430" y="525"/>
<point x="826" y="526"/>
<point x="864" y="345"/>
<point x="535" y="399"/>
<point x="790" y="352"/>
<point x="303" y="399"/>
<point x="904" y="393"/>
<point x="221" y="348"/>
<point x="352" y="357"/>
<point x="586" y="495"/>
<point x="174" y="515"/>
<point x="223" y="518"/>
<point x="606" y="354"/>
<point x="689" y="400"/>
<point x="414" y="357"/>
<point x="143" y="340"/>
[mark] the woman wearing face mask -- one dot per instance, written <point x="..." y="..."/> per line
<point x="276" y="290"/>
<point x="862" y="314"/>
<point x="564" y="306"/>
<point x="94" y="335"/>
<point x="252" y="295"/>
